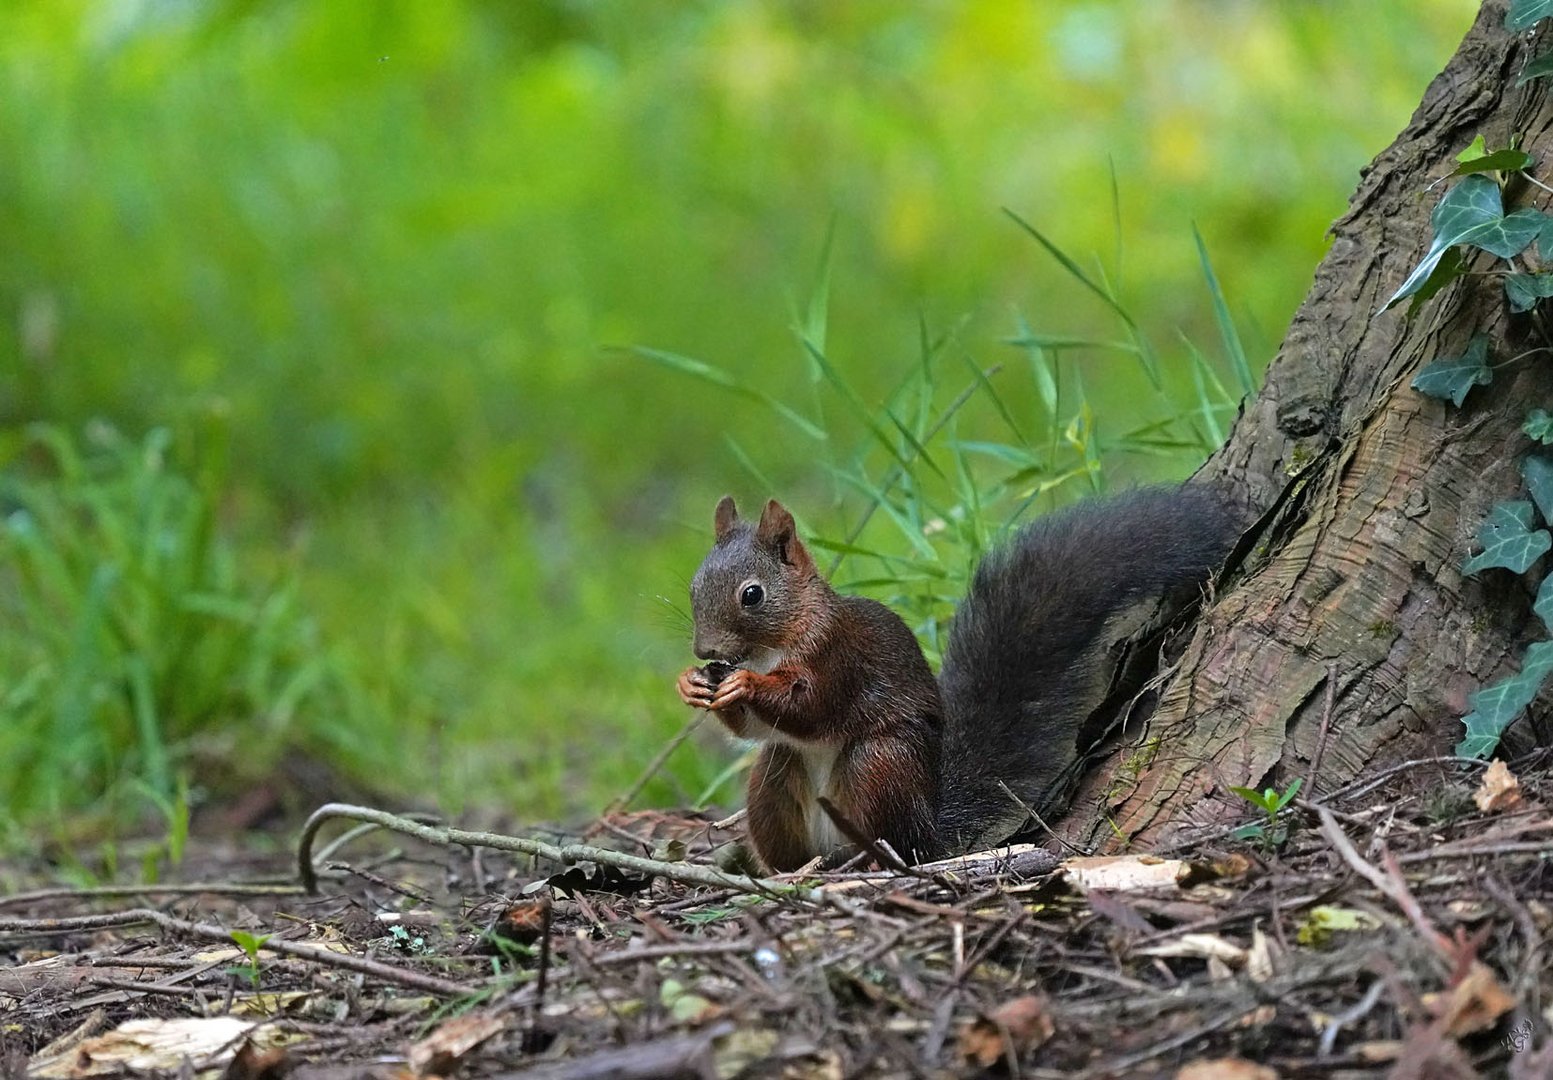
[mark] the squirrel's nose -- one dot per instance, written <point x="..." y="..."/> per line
<point x="709" y="651"/>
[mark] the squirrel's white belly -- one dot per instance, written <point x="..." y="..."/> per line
<point x="763" y="661"/>
<point x="819" y="762"/>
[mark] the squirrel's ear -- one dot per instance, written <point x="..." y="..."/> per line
<point x="725" y="517"/>
<point x="779" y="534"/>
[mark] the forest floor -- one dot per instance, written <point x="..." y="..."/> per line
<point x="1396" y="932"/>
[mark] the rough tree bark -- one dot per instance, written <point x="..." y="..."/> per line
<point x="1368" y="496"/>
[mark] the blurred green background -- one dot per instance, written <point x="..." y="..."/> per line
<point x="325" y="307"/>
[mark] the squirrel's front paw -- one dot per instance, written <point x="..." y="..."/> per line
<point x="734" y="688"/>
<point x="695" y="689"/>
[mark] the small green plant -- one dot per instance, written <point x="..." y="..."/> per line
<point x="250" y="944"/>
<point x="175" y="817"/>
<point x="712" y="915"/>
<point x="406" y="942"/>
<point x="131" y="639"/>
<point x="931" y="484"/>
<point x="1471" y="215"/>
<point x="1273" y="829"/>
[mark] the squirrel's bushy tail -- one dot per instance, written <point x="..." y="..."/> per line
<point x="1026" y="664"/>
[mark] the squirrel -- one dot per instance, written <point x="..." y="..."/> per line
<point x="837" y="689"/>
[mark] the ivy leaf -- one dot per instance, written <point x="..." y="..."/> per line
<point x="1450" y="379"/>
<point x="1509" y="236"/>
<point x="1451" y="267"/>
<point x="1524" y="13"/>
<point x="1472" y="212"/>
<point x="1476" y="158"/>
<point x="1524" y="290"/>
<point x="1539" y="426"/>
<point x="1476" y="149"/>
<point x="1536" y="68"/>
<point x="1544" y="602"/>
<point x="1537" y="470"/>
<point x="1509" y="540"/>
<point x="1493" y="707"/>
<point x="1498" y="161"/>
<point x="1545" y="241"/>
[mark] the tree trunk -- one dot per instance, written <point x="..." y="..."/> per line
<point x="1348" y="601"/>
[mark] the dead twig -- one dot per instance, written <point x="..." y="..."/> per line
<point x="210" y="932"/>
<point x="1321" y="735"/>
<point x="169" y="989"/>
<point x="621" y="801"/>
<point x="214" y="888"/>
<point x="1466" y="849"/>
<point x="688" y="1056"/>
<point x="732" y="819"/>
<point x="1370" y="781"/>
<point x="563" y="854"/>
<point x="377" y="879"/>
<point x="672" y="950"/>
<point x="1391" y="884"/>
<point x="1359" y="1011"/>
<point x="1039" y="820"/>
<point x="1128" y="1063"/>
<point x="882" y="853"/>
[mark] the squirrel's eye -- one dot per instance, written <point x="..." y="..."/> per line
<point x="751" y="595"/>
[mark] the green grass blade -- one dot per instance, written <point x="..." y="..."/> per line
<point x="748" y="464"/>
<point x="1073" y="268"/>
<point x="1232" y="346"/>
<point x="997" y="400"/>
<point x="1116" y="218"/>
<point x="881" y="502"/>
<point x="1039" y="355"/>
<point x="720" y="378"/>
<point x="1027" y="340"/>
<point x="816" y="319"/>
<point x="1145" y="351"/>
<point x="1201" y="373"/>
<point x="148" y="729"/>
<point x="861" y="413"/>
<point x="735" y="768"/>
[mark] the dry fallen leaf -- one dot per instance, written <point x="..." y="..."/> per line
<point x="1378" y="1050"/>
<point x="1499" y="791"/>
<point x="1226" y="1069"/>
<point x="1474" y="1004"/>
<point x="222" y="953"/>
<point x="162" y="1044"/>
<point x="523" y="922"/>
<point x="289" y="1002"/>
<point x="1233" y="865"/>
<point x="251" y="1063"/>
<point x="1469" y="911"/>
<point x="1201" y="947"/>
<point x="1124" y="873"/>
<point x="1262" y="959"/>
<point x="1014" y="1027"/>
<point x="441" y="1052"/>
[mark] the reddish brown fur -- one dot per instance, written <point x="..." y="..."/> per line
<point x="850" y="704"/>
<point x="779" y="794"/>
<point x="851" y="678"/>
